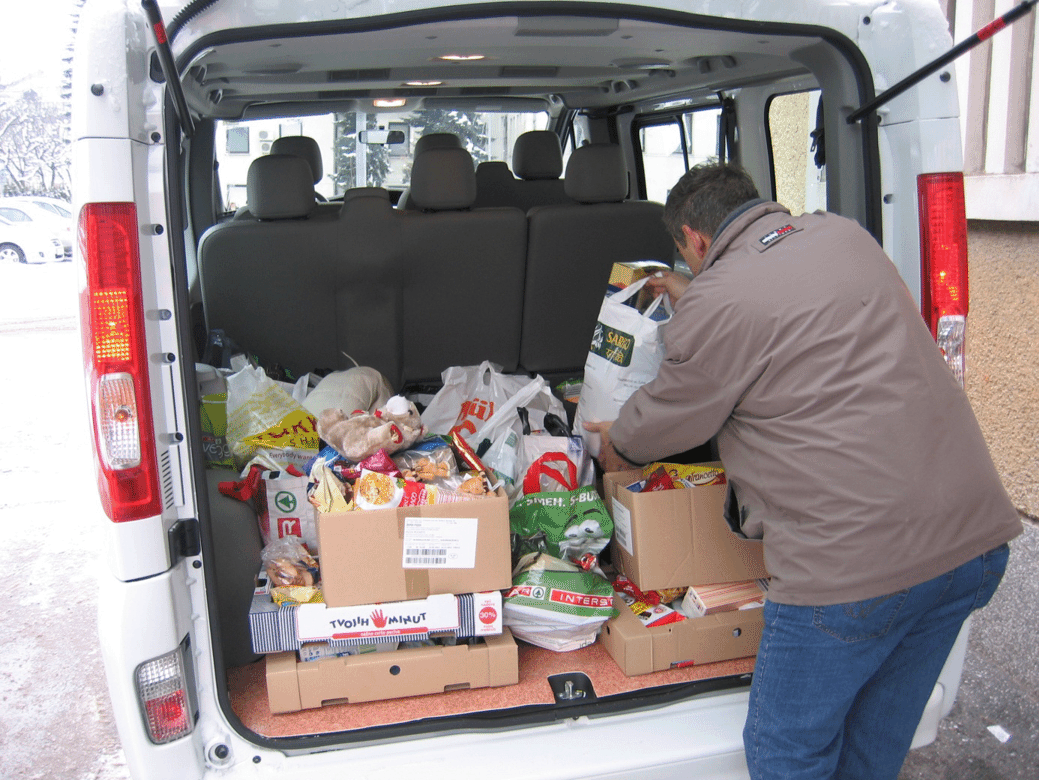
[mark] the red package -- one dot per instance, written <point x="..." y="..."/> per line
<point x="380" y="462"/>
<point x="659" y="480"/>
<point x="623" y="585"/>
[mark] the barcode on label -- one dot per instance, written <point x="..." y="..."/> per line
<point x="425" y="557"/>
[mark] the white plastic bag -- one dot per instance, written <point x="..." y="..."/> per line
<point x="626" y="352"/>
<point x="476" y="401"/>
<point x="498" y="440"/>
<point x="469" y="397"/>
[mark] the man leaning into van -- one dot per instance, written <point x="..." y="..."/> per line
<point x="851" y="450"/>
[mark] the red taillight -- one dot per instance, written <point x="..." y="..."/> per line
<point x="944" y="296"/>
<point x="116" y="360"/>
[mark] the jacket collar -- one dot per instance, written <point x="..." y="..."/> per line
<point x="734" y="224"/>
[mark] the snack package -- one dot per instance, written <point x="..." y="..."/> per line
<point x="688" y="474"/>
<point x="651" y="614"/>
<point x="329" y="493"/>
<point x="429" y="460"/>
<point x="724" y="597"/>
<point x="659" y="479"/>
<point x="288" y="562"/>
<point x="375" y="490"/>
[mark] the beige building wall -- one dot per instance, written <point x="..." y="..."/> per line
<point x="998" y="84"/>
<point x="999" y="115"/>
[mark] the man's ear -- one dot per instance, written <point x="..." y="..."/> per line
<point x="700" y="242"/>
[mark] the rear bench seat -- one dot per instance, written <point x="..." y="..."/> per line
<point x="411" y="293"/>
<point x="537" y="161"/>
<point x="582" y="241"/>
<point x="265" y="279"/>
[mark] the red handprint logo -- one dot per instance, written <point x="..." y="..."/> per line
<point x="379" y="619"/>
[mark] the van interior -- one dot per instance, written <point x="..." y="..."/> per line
<point x="425" y="190"/>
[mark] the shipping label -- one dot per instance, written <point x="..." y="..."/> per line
<point x="440" y="543"/>
<point x="622" y="526"/>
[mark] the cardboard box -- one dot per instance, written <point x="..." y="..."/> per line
<point x="411" y="552"/>
<point x="676" y="538"/>
<point x="639" y="649"/>
<point x="276" y="629"/>
<point x="624" y="274"/>
<point x="296" y="685"/>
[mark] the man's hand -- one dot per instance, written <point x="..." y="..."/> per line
<point x="608" y="457"/>
<point x="669" y="282"/>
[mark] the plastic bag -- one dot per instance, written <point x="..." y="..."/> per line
<point x="284" y="509"/>
<point x="499" y="440"/>
<point x="556" y="605"/>
<point x="626" y="352"/>
<point x="571" y="523"/>
<point x="287" y="562"/>
<point x="266" y="422"/>
<point x="471" y="395"/>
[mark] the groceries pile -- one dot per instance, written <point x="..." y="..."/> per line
<point x="394" y="522"/>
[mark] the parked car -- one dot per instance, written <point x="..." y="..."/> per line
<point x="39" y="211"/>
<point x="56" y="206"/>
<point x="27" y="242"/>
<point x="405" y="273"/>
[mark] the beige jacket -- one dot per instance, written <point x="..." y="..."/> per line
<point x="852" y="450"/>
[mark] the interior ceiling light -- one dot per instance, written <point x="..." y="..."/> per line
<point x="389" y="102"/>
<point x="461" y="57"/>
<point x="422" y="83"/>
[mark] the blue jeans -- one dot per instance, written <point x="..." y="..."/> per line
<point x="838" y="691"/>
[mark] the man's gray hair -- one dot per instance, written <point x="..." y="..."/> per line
<point x="705" y="196"/>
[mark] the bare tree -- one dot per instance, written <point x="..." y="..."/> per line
<point x="34" y="146"/>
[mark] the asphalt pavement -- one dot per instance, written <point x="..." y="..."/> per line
<point x="991" y="732"/>
<point x="56" y="720"/>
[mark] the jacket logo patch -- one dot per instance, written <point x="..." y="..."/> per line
<point x="772" y="236"/>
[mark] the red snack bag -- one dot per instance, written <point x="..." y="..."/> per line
<point x="380" y="462"/>
<point x="623" y="585"/>
<point x="659" y="480"/>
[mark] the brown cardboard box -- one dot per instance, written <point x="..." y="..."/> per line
<point x="299" y="685"/>
<point x="623" y="274"/>
<point x="638" y="649"/>
<point x="363" y="552"/>
<point x="676" y="538"/>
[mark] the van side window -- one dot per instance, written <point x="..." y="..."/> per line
<point x="673" y="144"/>
<point x="575" y="136"/>
<point x="798" y="151"/>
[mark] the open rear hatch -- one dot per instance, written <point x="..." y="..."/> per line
<point x="330" y="65"/>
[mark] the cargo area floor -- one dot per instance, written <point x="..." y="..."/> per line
<point x="248" y="693"/>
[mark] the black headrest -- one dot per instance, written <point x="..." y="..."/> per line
<point x="280" y="186"/>
<point x="537" y="155"/>
<point x="491" y="172"/>
<point x="302" y="146"/>
<point x="443" y="179"/>
<point x="595" y="174"/>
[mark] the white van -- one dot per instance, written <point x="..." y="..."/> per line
<point x="184" y="237"/>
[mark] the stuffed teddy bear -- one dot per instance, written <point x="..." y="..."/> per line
<point x="359" y="434"/>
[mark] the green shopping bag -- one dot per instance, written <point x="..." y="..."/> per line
<point x="571" y="524"/>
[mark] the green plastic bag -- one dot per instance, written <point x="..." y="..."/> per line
<point x="570" y="524"/>
<point x="555" y="604"/>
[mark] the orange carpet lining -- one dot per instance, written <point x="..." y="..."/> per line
<point x="248" y="693"/>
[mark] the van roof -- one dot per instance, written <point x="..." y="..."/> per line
<point x="516" y="56"/>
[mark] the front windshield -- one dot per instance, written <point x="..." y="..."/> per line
<point x="348" y="163"/>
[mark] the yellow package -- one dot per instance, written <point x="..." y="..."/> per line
<point x="688" y="474"/>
